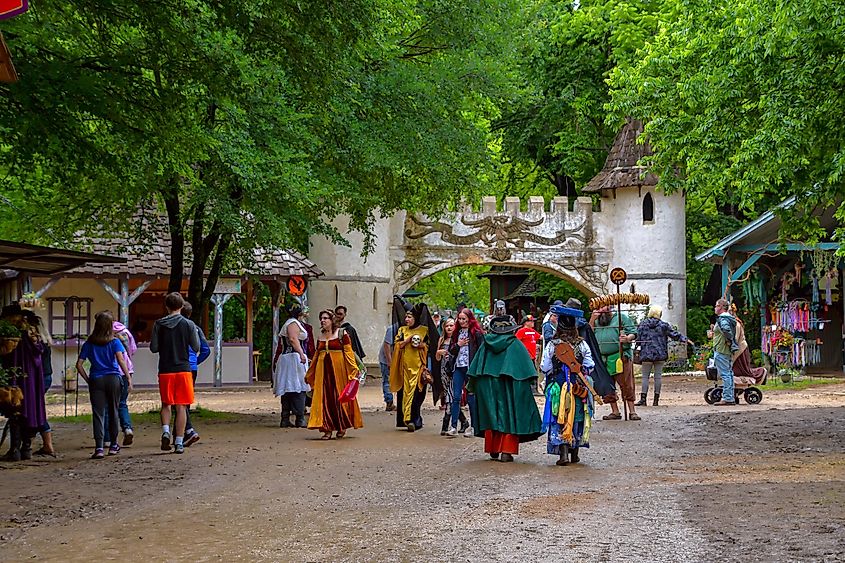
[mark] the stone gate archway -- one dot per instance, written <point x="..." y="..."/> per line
<point x="580" y="245"/>
<point x="559" y="241"/>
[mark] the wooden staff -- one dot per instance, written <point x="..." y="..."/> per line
<point x="622" y="363"/>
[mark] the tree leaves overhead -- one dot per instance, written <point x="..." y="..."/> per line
<point x="248" y="124"/>
<point x="743" y="100"/>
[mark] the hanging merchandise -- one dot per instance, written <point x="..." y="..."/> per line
<point x="753" y="293"/>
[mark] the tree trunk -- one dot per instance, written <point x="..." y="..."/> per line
<point x="177" y="238"/>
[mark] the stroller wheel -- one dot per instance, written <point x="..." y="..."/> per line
<point x="753" y="396"/>
<point x="708" y="396"/>
<point x="716" y="395"/>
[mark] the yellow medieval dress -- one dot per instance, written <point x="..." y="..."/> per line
<point x="406" y="375"/>
<point x="332" y="367"/>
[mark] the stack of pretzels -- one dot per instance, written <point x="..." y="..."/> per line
<point x="617" y="298"/>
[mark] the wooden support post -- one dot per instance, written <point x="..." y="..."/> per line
<point x="275" y="298"/>
<point x="218" y="299"/>
<point x="123" y="298"/>
<point x="249" y="325"/>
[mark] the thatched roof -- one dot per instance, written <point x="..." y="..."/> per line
<point x="621" y="169"/>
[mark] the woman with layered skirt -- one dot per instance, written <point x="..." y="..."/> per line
<point x="569" y="404"/>
<point x="332" y="367"/>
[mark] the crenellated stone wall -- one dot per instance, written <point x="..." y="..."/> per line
<point x="581" y="246"/>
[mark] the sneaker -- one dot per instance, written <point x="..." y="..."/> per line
<point x="114" y="449"/>
<point x="165" y="441"/>
<point x="179" y="449"/>
<point x="468" y="433"/>
<point x="389" y="406"/>
<point x="128" y="437"/>
<point x="99" y="453"/>
<point x="192" y="438"/>
<point x="452" y="432"/>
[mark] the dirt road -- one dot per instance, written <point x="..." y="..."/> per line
<point x="688" y="483"/>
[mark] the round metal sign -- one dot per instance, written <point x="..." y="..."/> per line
<point x="618" y="276"/>
<point x="296" y="285"/>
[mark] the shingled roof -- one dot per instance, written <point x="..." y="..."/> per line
<point x="621" y="169"/>
<point x="151" y="259"/>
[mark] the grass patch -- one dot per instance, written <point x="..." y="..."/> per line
<point x="152" y="416"/>
<point x="774" y="383"/>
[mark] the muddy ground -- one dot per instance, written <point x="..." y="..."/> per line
<point x="688" y="483"/>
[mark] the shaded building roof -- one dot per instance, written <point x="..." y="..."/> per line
<point x="621" y="169"/>
<point x="45" y="260"/>
<point x="150" y="257"/>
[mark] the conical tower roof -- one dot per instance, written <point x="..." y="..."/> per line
<point x="621" y="169"/>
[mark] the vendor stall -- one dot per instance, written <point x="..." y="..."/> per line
<point x="795" y="288"/>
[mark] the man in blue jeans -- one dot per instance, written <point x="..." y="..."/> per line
<point x="723" y="334"/>
<point x="385" y="355"/>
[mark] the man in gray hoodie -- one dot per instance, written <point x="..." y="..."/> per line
<point x="171" y="338"/>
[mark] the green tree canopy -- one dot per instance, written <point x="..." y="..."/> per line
<point x="246" y="125"/>
<point x="743" y="100"/>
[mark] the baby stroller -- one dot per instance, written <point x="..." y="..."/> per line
<point x="744" y="386"/>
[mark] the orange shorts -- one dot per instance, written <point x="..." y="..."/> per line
<point x="176" y="388"/>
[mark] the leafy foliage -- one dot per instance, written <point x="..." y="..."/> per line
<point x="738" y="100"/>
<point x="445" y="289"/>
<point x="247" y="126"/>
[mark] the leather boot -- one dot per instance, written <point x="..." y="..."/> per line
<point x="14" y="453"/>
<point x="573" y="455"/>
<point x="26" y="447"/>
<point x="445" y="426"/>
<point x="642" y="401"/>
<point x="656" y="400"/>
<point x="564" y="455"/>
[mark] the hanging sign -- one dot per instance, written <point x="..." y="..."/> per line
<point x="296" y="286"/>
<point x="12" y="8"/>
<point x="618" y="276"/>
<point x="228" y="286"/>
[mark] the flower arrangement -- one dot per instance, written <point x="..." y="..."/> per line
<point x="784" y="339"/>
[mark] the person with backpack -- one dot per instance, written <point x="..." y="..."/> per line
<point x="107" y="357"/>
<point x="289" y="367"/>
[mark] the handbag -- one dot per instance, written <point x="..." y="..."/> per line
<point x="350" y="391"/>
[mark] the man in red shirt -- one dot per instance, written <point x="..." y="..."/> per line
<point x="528" y="336"/>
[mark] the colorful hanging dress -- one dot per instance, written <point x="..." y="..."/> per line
<point x="567" y="417"/>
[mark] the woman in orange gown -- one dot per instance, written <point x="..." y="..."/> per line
<point x="332" y="367"/>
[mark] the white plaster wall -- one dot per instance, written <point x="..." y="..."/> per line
<point x="236" y="359"/>
<point x="653" y="254"/>
<point x="353" y="280"/>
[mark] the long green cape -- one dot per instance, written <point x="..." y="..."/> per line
<point x="501" y="375"/>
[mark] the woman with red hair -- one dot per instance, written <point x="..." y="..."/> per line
<point x="466" y="339"/>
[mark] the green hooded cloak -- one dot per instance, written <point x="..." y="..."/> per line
<point x="500" y="375"/>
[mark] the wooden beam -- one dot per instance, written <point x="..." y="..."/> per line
<point x="790" y="246"/>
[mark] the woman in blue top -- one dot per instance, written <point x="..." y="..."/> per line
<point x="106" y="353"/>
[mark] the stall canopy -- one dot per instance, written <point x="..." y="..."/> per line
<point x="43" y="260"/>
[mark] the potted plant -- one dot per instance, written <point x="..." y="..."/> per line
<point x="10" y="336"/>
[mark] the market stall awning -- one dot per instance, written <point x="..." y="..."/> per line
<point x="45" y="260"/>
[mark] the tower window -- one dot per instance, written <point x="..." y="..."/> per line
<point x="671" y="303"/>
<point x="375" y="299"/>
<point x="648" y="208"/>
<point x="336" y="296"/>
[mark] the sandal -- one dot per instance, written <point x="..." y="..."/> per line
<point x="42" y="451"/>
<point x="340" y="434"/>
<point x="326" y="436"/>
<point x="612" y="416"/>
<point x="634" y="416"/>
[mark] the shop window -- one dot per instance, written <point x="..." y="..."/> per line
<point x="671" y="302"/>
<point x="375" y="299"/>
<point x="69" y="317"/>
<point x="648" y="208"/>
